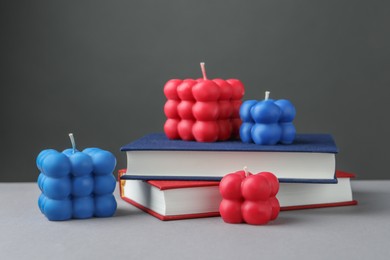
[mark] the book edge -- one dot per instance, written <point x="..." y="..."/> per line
<point x="216" y="214"/>
<point x="320" y="205"/>
<point x="170" y="217"/>
<point x="330" y="146"/>
<point x="216" y="179"/>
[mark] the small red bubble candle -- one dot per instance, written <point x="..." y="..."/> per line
<point x="203" y="110"/>
<point x="249" y="198"/>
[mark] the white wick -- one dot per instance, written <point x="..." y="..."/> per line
<point x="73" y="142"/>
<point x="267" y="95"/>
<point x="203" y="68"/>
<point x="246" y="171"/>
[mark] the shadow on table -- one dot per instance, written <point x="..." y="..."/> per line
<point x="285" y="220"/>
<point x="370" y="202"/>
<point x="122" y="212"/>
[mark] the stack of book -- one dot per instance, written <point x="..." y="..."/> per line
<point x="175" y="179"/>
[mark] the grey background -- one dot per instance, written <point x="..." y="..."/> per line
<point x="97" y="69"/>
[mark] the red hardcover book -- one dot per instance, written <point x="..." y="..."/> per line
<point x="173" y="200"/>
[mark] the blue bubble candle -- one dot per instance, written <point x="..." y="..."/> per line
<point x="267" y="122"/>
<point x="76" y="184"/>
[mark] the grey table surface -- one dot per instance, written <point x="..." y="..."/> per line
<point x="353" y="232"/>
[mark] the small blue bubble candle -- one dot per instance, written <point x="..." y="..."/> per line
<point x="267" y="122"/>
<point x="76" y="184"/>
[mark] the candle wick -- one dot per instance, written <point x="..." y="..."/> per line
<point x="73" y="142"/>
<point x="246" y="171"/>
<point x="267" y="95"/>
<point x="203" y="68"/>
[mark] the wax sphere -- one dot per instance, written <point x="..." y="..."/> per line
<point x="184" y="90"/>
<point x="256" y="187"/>
<point x="170" y="128"/>
<point x="288" y="110"/>
<point x="58" y="210"/>
<point x="225" y="88"/>
<point x="205" y="111"/>
<point x="41" y="202"/>
<point x="256" y="212"/>
<point x="205" y="131"/>
<point x="81" y="164"/>
<point x="273" y="182"/>
<point x="56" y="165"/>
<point x="237" y="87"/>
<point x="265" y="112"/>
<point x="225" y="130"/>
<point x="230" y="211"/>
<point x="245" y="110"/>
<point x="69" y="151"/>
<point x="42" y="155"/>
<point x="104" y="162"/>
<point x="275" y="207"/>
<point x="245" y="132"/>
<point x="105" y="205"/>
<point x="206" y="91"/>
<point x="225" y="109"/>
<point x="184" y="129"/>
<point x="170" y="89"/>
<point x="288" y="133"/>
<point x="104" y="184"/>
<point x="83" y="207"/>
<point x="236" y="104"/>
<point x="41" y="180"/>
<point x="57" y="188"/>
<point x="266" y="134"/>
<point x="170" y="108"/>
<point x="184" y="109"/>
<point x="82" y="186"/>
<point x="230" y="186"/>
<point x="91" y="150"/>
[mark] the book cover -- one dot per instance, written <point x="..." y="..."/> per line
<point x="313" y="143"/>
<point x="311" y="156"/>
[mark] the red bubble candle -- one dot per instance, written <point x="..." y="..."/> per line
<point x="249" y="198"/>
<point x="203" y="110"/>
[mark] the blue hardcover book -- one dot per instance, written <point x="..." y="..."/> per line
<point x="311" y="158"/>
